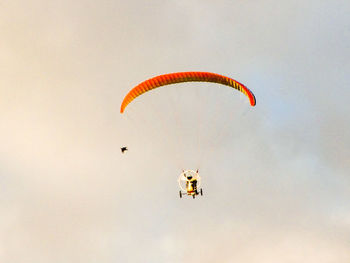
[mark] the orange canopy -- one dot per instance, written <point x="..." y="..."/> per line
<point x="173" y="78"/>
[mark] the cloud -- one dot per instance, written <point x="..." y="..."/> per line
<point x="274" y="176"/>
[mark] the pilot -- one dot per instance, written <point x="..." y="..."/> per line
<point x="191" y="183"/>
<point x="123" y="149"/>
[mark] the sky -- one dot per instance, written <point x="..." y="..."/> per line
<point x="275" y="176"/>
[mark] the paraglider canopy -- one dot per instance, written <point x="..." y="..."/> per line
<point x="173" y="78"/>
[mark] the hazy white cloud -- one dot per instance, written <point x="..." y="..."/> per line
<point x="275" y="177"/>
